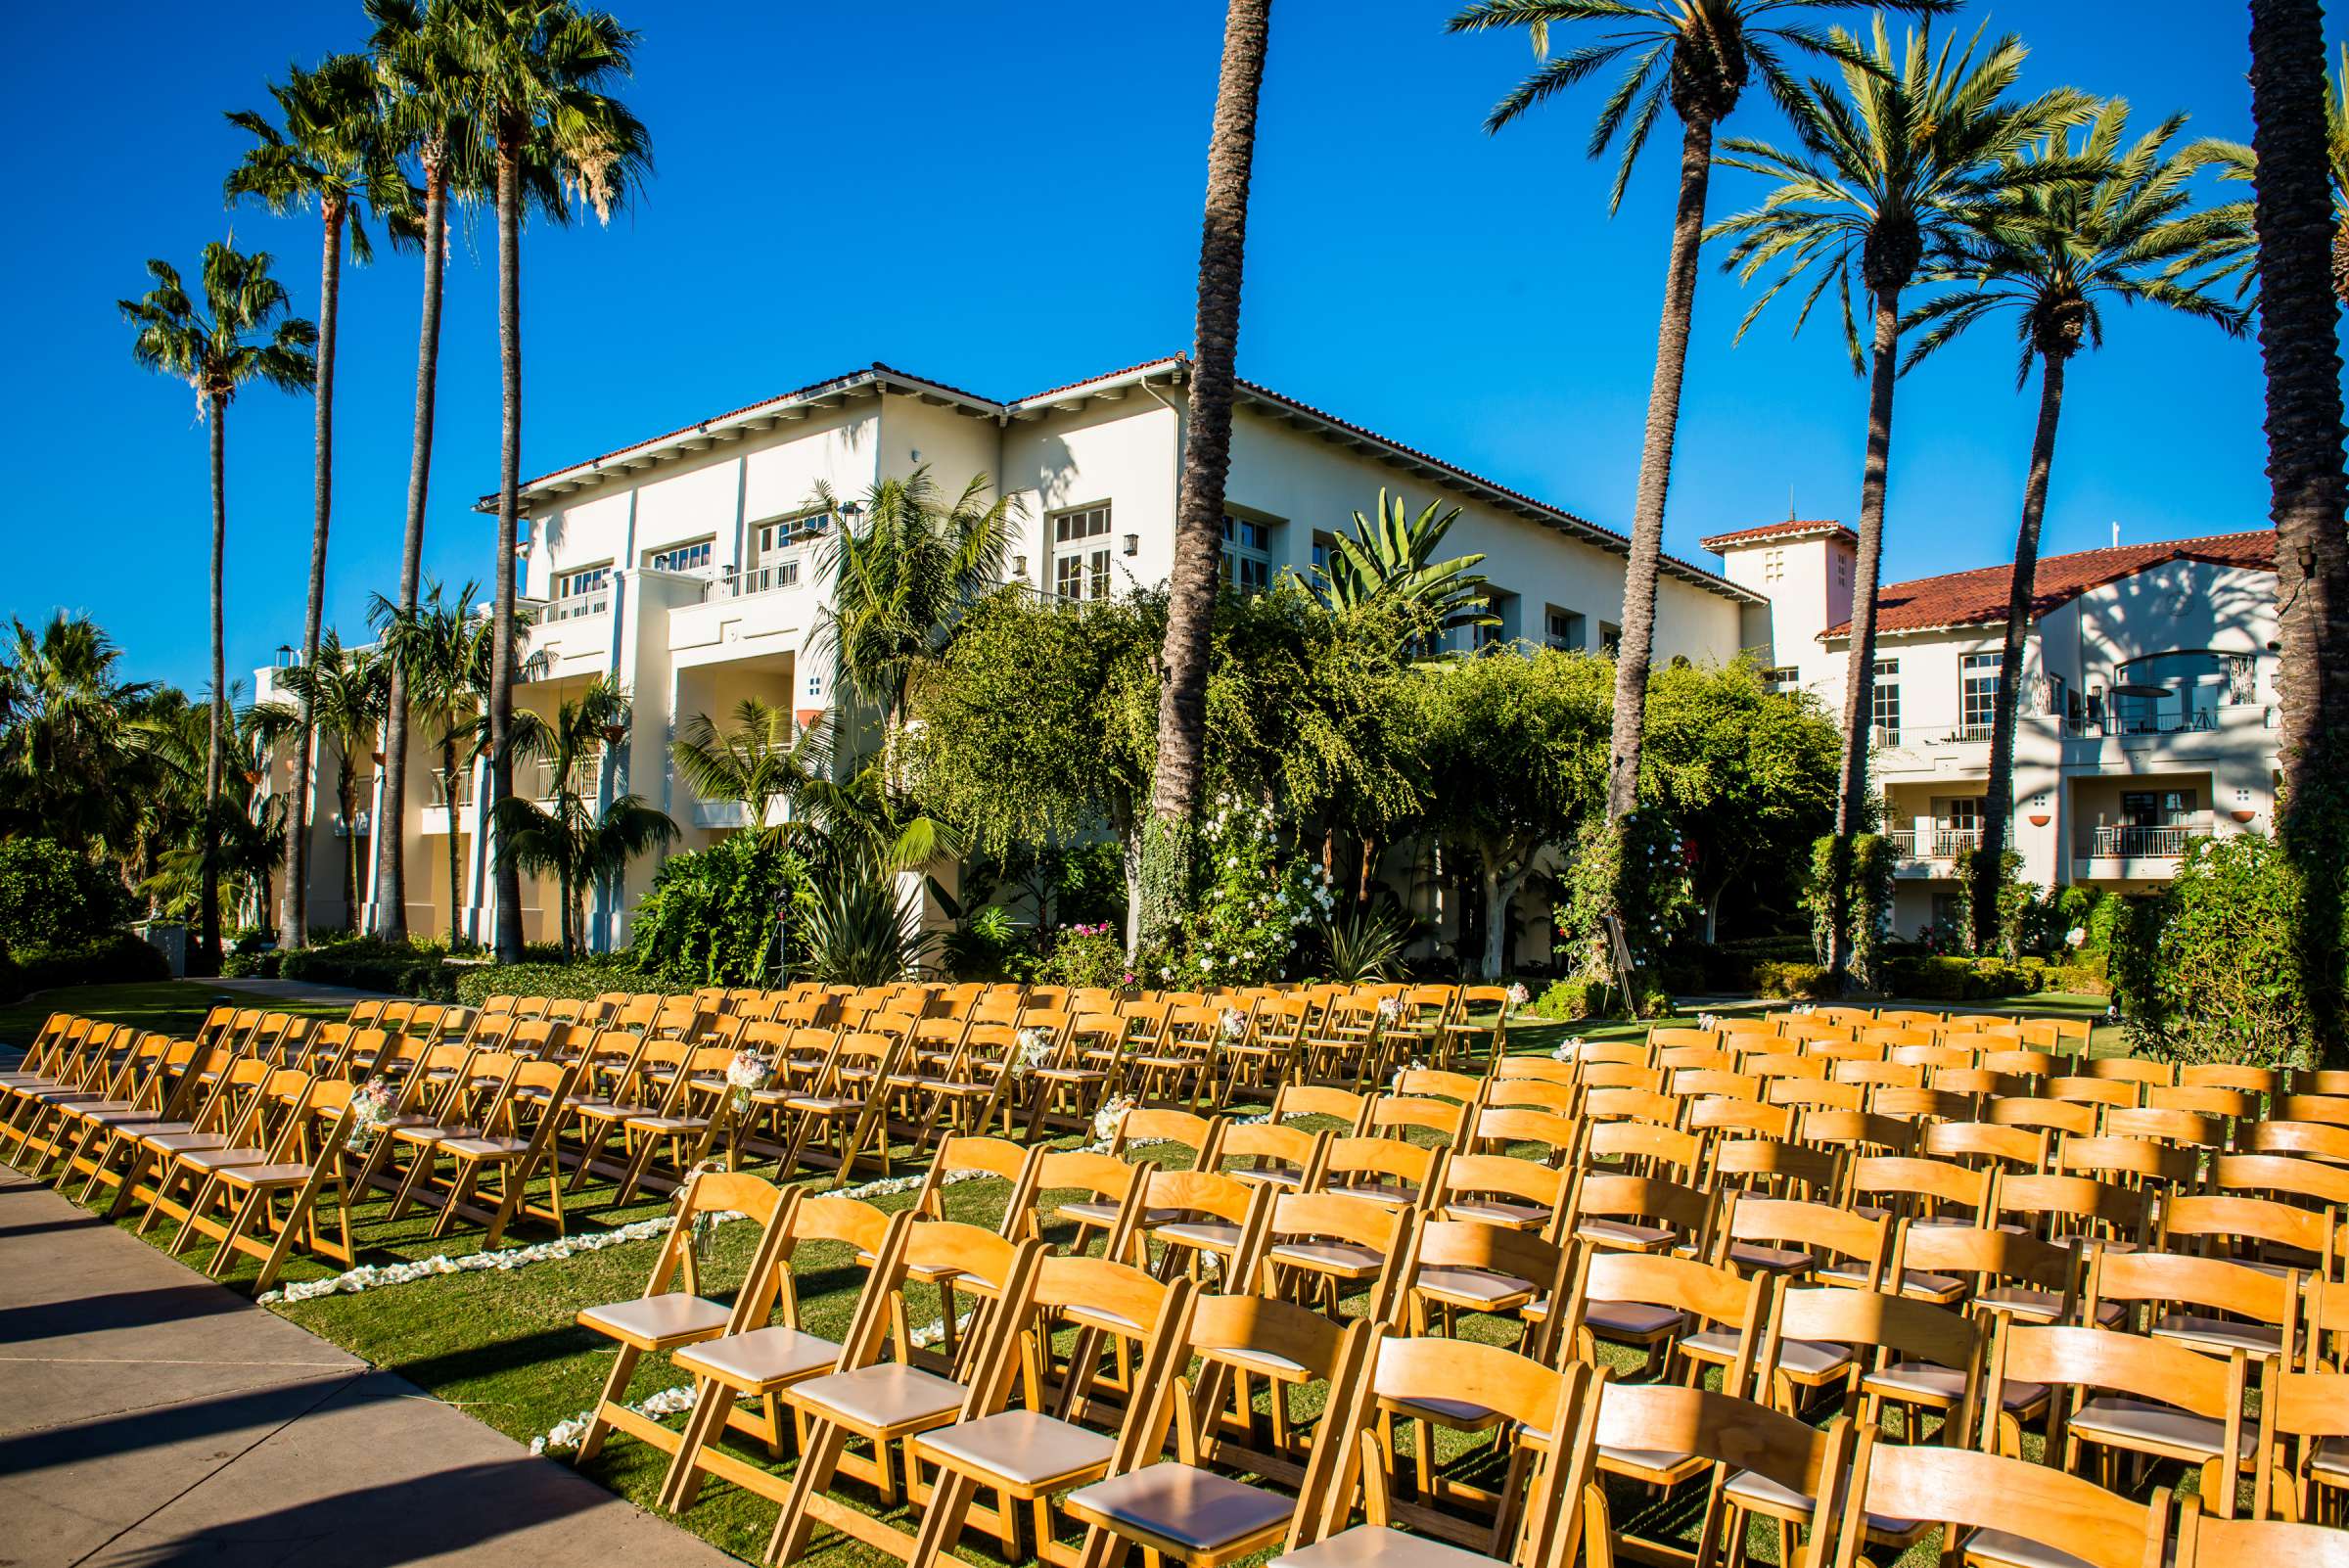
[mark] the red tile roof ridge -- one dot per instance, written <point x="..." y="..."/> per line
<point x="1771" y="531"/>
<point x="1977" y="596"/>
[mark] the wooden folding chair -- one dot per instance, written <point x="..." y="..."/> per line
<point x="1652" y="1304"/>
<point x="1192" y="1509"/>
<point x="1538" y="1462"/>
<point x="1330" y="1243"/>
<point x="1498" y="1189"/>
<point x="1287" y="1157"/>
<point x="1996" y="1512"/>
<point x="763" y="1351"/>
<point x="2207" y="1542"/>
<point x="2209" y="1304"/>
<point x="886" y="1402"/>
<point x="2125" y="1395"/>
<point x="1202" y="1220"/>
<point x="263" y="1210"/>
<point x="1053" y="1439"/>
<point x="675" y="1310"/>
<point x="1383" y="1170"/>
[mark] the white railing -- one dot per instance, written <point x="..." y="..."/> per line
<point x="2129" y="843"/>
<point x="536" y="781"/>
<point x="767" y="576"/>
<point x="1941" y="843"/>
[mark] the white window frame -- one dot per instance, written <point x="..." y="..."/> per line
<point x="580" y="591"/>
<point x="1243" y="565"/>
<point x="692" y="556"/>
<point x="1071" y="532"/>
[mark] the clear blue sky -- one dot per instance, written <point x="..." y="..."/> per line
<point x="1007" y="197"/>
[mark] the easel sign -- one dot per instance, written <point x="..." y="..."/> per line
<point x="1618" y="955"/>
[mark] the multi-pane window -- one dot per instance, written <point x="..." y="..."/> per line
<point x="1247" y="560"/>
<point x="1080" y="567"/>
<point x="1563" y="628"/>
<point x="1786" y="677"/>
<point x="1978" y="675"/>
<point x="1966" y="814"/>
<point x="694" y="556"/>
<point x="2157" y="807"/>
<point x="1884" y="705"/>
<point x="586" y="591"/>
<point x="1324" y="546"/>
<point x="1610" y="639"/>
<point x="777" y="534"/>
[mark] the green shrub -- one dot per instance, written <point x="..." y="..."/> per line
<point x="1085" y="955"/>
<point x="988" y="945"/>
<point x="579" y="981"/>
<point x="1800" y="981"/>
<point x="53" y="899"/>
<point x="369" y="963"/>
<point x="709" y="918"/>
<point x="1566" y="1001"/>
<point x="117" y="958"/>
<point x="2210" y="969"/>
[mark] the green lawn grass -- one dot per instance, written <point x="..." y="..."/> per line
<point x="176" y="1007"/>
<point x="505" y="1348"/>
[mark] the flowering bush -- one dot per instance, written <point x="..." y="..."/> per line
<point x="1639" y="867"/>
<point x="1256" y="908"/>
<point x="1087" y="956"/>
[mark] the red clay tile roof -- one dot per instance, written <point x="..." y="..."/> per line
<point x="1790" y="528"/>
<point x="1980" y="597"/>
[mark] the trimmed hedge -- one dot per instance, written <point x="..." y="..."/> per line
<point x="1800" y="981"/>
<point x="1951" y="978"/>
<point x="579" y="981"/>
<point x="364" y="963"/>
<point x="119" y="959"/>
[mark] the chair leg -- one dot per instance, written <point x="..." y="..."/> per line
<point x="615" y="1386"/>
<point x="818" y="1465"/>
<point x="941" y="1525"/>
<point x="707" y="1424"/>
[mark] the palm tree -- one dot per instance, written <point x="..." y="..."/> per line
<point x="334" y="151"/>
<point x="765" y="760"/>
<point x="1391" y="560"/>
<point x="64" y="734"/>
<point x="534" y="74"/>
<point x="906" y="566"/>
<point x="1698" y="55"/>
<point x="2050" y="257"/>
<point x="1166" y="871"/>
<point x="440" y="651"/>
<point x="415" y="60"/>
<point x="568" y="836"/>
<point x="344" y="694"/>
<point x="2299" y="345"/>
<point x="236" y="336"/>
<point x="1916" y="146"/>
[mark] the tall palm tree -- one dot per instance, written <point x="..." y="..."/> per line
<point x="2299" y="345"/>
<point x="241" y="333"/>
<point x="440" y="650"/>
<point x="763" y="760"/>
<point x="582" y="845"/>
<point x="1914" y="146"/>
<point x="413" y="46"/>
<point x="1177" y="776"/>
<point x="334" y="154"/>
<point x="344" y="694"/>
<point x="534" y="74"/>
<point x="906" y="569"/>
<point x="2052" y="256"/>
<point x="1698" y="55"/>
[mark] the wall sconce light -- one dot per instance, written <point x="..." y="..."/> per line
<point x="1134" y="544"/>
<point x="285" y="655"/>
<point x="1019" y="566"/>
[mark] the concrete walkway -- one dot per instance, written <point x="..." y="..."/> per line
<point x="150" y="1417"/>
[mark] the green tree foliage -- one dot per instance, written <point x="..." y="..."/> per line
<point x="1513" y="749"/>
<point x="1389" y="562"/>
<point x="52" y="898"/>
<point x="2209" y="968"/>
<point x="710" y="916"/>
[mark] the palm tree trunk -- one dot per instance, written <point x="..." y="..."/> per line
<point x="2299" y="345"/>
<point x="1998" y="796"/>
<point x="391" y="880"/>
<point x="1637" y="644"/>
<point x="1166" y="841"/>
<point x="208" y="898"/>
<point x="1860" y="675"/>
<point x="508" y="919"/>
<point x="456" y="859"/>
<point x="346" y="800"/>
<point x="296" y="932"/>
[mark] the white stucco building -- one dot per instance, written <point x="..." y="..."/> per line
<point x="686" y="565"/>
<point x="2149" y="705"/>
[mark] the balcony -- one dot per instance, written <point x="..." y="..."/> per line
<point x="536" y="780"/>
<point x="767" y="576"/>
<point x="2142" y="843"/>
<point x="1941" y="843"/>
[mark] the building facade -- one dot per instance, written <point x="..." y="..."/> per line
<point x="687" y="568"/>
<point x="2148" y="700"/>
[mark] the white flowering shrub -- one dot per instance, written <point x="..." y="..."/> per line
<point x="1258" y="901"/>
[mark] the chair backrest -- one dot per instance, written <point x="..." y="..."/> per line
<point x="1766" y="1166"/>
<point x="2071" y="1117"/>
<point x="2070" y="1358"/>
<point x="2149" y="1280"/>
<point x="1706" y="1291"/>
<point x="1812" y="1228"/>
<point x="1488" y="1250"/>
<point x="1730" y="1431"/>
<point x="1991" y="1255"/>
<point x="1338" y="1216"/>
<point x="1387" y="1162"/>
<point x="2076" y="1205"/>
<point x="2314" y="1181"/>
<point x="1971" y="1491"/>
<point x="1306" y="1100"/>
<point x="1647" y="1146"/>
<point x="1987" y="1144"/>
<point x="2318" y="1140"/>
<point x="2207" y="1540"/>
<point x="1890" y="1324"/>
<point x="1918" y="1188"/>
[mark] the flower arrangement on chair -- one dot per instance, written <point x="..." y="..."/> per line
<point x="746" y="1073"/>
<point x="1111" y="1117"/>
<point x="1034" y="1051"/>
<point x="1570" y="1051"/>
<point x="371" y="1106"/>
<point x="1518" y="994"/>
<point x="1235" y="1024"/>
